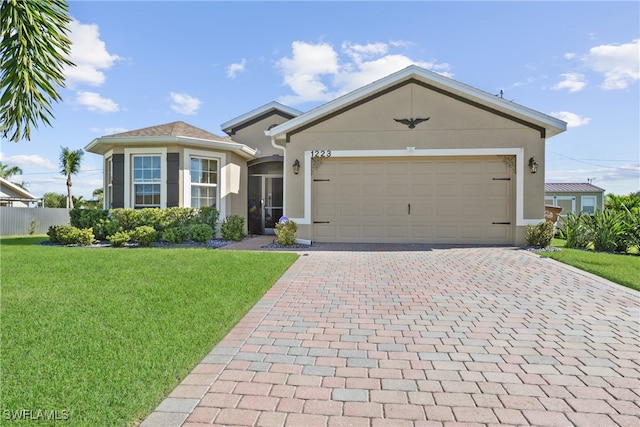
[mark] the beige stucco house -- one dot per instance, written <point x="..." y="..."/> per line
<point x="574" y="197"/>
<point x="412" y="157"/>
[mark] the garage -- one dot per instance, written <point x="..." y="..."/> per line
<point x="465" y="200"/>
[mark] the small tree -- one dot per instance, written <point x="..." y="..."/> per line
<point x="54" y="200"/>
<point x="70" y="165"/>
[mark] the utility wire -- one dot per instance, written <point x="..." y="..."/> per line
<point x="596" y="164"/>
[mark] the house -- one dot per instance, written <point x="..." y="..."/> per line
<point x="412" y="157"/>
<point x="574" y="197"/>
<point x="15" y="196"/>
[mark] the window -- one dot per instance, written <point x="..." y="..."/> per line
<point x="146" y="181"/>
<point x="588" y="204"/>
<point x="204" y="182"/>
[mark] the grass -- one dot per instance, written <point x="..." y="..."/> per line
<point x="622" y="269"/>
<point x="105" y="334"/>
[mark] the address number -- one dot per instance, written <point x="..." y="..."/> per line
<point x="320" y="153"/>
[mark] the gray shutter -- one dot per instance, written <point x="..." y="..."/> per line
<point x="117" y="187"/>
<point x="173" y="179"/>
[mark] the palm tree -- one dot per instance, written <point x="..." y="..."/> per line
<point x="70" y="165"/>
<point x="34" y="49"/>
<point x="7" y="171"/>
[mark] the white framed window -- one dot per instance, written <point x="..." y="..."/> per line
<point x="204" y="181"/>
<point x="201" y="186"/>
<point x="588" y="204"/>
<point x="147" y="179"/>
<point x="146" y="172"/>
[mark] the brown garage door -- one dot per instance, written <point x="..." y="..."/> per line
<point x="429" y="200"/>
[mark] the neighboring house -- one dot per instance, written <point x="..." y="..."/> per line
<point x="574" y="197"/>
<point x="15" y="196"/>
<point x="412" y="157"/>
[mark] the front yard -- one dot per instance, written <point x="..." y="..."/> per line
<point x="622" y="269"/>
<point x="101" y="336"/>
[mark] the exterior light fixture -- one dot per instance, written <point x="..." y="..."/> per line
<point x="533" y="165"/>
<point x="296" y="167"/>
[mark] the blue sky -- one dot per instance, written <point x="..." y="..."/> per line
<point x="141" y="64"/>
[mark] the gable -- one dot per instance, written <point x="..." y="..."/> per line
<point x="544" y="125"/>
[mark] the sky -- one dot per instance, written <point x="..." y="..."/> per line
<point x="140" y="64"/>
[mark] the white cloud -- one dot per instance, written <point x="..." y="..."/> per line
<point x="573" y="120"/>
<point x="573" y="82"/>
<point x="29" y="161"/>
<point x="317" y="72"/>
<point x="94" y="102"/>
<point x="619" y="63"/>
<point x="184" y="104"/>
<point x="234" y="69"/>
<point x="107" y="131"/>
<point x="89" y="54"/>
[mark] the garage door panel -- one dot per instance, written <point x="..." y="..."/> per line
<point x="452" y="200"/>
<point x="349" y="210"/>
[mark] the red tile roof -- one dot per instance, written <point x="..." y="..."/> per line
<point x="564" y="187"/>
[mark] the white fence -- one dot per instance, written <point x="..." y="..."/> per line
<point x="20" y="221"/>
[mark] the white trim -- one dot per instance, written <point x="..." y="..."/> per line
<point x="128" y="178"/>
<point x="222" y="182"/>
<point x="273" y="105"/>
<point x="108" y="142"/>
<point x="412" y="152"/>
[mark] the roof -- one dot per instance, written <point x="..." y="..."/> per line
<point x="172" y="129"/>
<point x="568" y="187"/>
<point x="16" y="190"/>
<point x="238" y="122"/>
<point x="170" y="133"/>
<point x="547" y="125"/>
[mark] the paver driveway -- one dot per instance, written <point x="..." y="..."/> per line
<point x="476" y="336"/>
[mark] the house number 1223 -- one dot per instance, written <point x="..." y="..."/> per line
<point x="320" y="153"/>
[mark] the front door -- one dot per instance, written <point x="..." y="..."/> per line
<point x="265" y="203"/>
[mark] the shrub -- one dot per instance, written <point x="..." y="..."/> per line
<point x="127" y="219"/>
<point x="605" y="230"/>
<point x="176" y="217"/>
<point x="574" y="230"/>
<point x="87" y="218"/>
<point x="200" y="232"/>
<point x="144" y="235"/>
<point x="105" y="227"/>
<point x="540" y="235"/>
<point x="175" y="234"/>
<point x="118" y="239"/>
<point x="209" y="215"/>
<point x="286" y="232"/>
<point x="70" y="235"/>
<point x="631" y="228"/>
<point x="33" y="226"/>
<point x="232" y="228"/>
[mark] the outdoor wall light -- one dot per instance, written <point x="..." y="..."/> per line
<point x="533" y="165"/>
<point x="296" y="167"/>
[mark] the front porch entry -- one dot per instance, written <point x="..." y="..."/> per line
<point x="265" y="207"/>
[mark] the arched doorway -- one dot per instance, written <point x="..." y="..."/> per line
<point x="265" y="206"/>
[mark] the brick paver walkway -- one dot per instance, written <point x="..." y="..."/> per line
<point x="473" y="336"/>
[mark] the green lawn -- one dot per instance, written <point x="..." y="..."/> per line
<point x="107" y="333"/>
<point x="622" y="269"/>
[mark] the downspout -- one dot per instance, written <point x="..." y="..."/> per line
<point x="284" y="168"/>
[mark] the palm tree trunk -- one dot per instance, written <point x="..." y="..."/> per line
<point x="69" y="198"/>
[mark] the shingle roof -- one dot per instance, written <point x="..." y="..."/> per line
<point x="577" y="187"/>
<point x="172" y="129"/>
